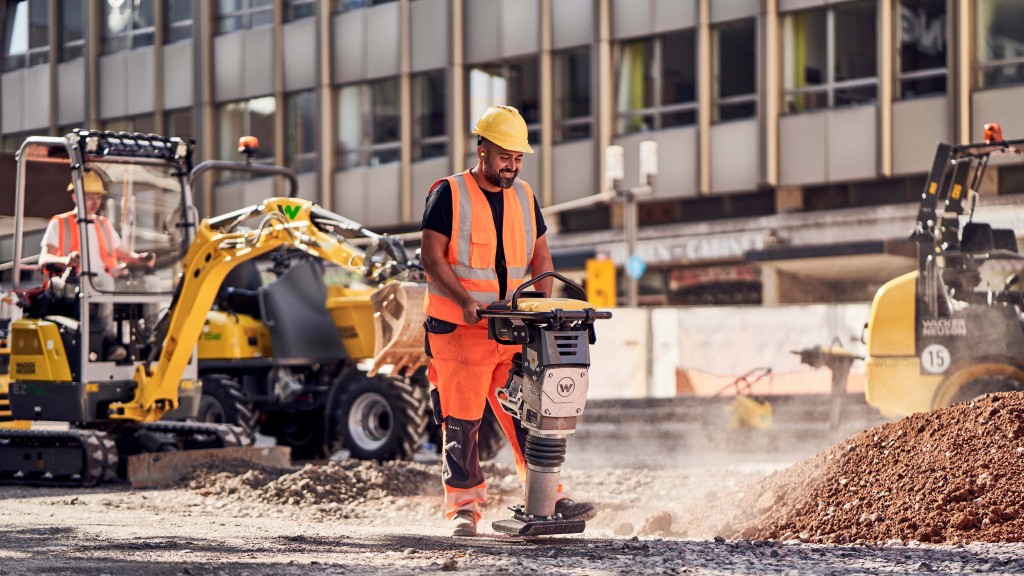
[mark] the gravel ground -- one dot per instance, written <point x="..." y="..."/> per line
<point x="933" y="483"/>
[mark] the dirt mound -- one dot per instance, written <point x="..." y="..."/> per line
<point x="952" y="475"/>
<point x="339" y="489"/>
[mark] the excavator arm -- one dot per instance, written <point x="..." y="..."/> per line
<point x="219" y="247"/>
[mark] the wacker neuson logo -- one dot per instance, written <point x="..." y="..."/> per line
<point x="944" y="327"/>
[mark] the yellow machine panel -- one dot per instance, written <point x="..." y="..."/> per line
<point x="37" y="352"/>
<point x="353" y="316"/>
<point x="894" y="382"/>
<point x="235" y="336"/>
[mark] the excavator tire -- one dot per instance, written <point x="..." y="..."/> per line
<point x="302" y="431"/>
<point x="381" y="417"/>
<point x="987" y="385"/>
<point x="978" y="379"/>
<point x="224" y="402"/>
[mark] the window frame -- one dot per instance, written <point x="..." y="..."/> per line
<point x="244" y="15"/>
<point x="33" y="55"/>
<point x="367" y="151"/>
<point x="131" y="36"/>
<point x="263" y="155"/>
<point x="924" y="73"/>
<point x="420" y="142"/>
<point x="298" y="159"/>
<point x="505" y="69"/>
<point x="658" y="111"/>
<point x="981" y="67"/>
<point x="830" y="86"/>
<point x="564" y="122"/>
<point x="718" y="101"/>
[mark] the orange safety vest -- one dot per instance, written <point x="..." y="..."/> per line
<point x="69" y="241"/>
<point x="474" y="242"/>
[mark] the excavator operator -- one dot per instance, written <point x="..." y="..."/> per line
<point x="483" y="236"/>
<point x="61" y="246"/>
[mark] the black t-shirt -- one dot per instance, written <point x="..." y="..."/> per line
<point x="438" y="217"/>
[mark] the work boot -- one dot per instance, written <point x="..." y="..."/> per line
<point x="463" y="523"/>
<point x="117" y="353"/>
<point x="572" y="510"/>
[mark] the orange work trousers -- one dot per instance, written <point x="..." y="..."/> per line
<point x="466" y="368"/>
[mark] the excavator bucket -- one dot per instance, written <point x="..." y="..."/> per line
<point x="398" y="318"/>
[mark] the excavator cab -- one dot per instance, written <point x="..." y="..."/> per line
<point x="107" y="196"/>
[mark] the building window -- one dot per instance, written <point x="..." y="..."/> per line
<point x="429" y="115"/>
<point x="235" y="15"/>
<point x="1000" y="42"/>
<point x="127" y="25"/>
<point x="72" y="29"/>
<point x="657" y="83"/>
<point x="346" y="5"/>
<point x="179" y="123"/>
<point x="368" y="124"/>
<point x="253" y="117"/>
<point x="829" y="57"/>
<point x="298" y="9"/>
<point x="572" y="95"/>
<point x="300" y="131"/>
<point x="734" y="47"/>
<point x="26" y="34"/>
<point x="922" y="48"/>
<point x="178" y="25"/>
<point x="514" y="83"/>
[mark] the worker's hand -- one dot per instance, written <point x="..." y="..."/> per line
<point x="469" y="315"/>
<point x="147" y="258"/>
<point x="74" y="259"/>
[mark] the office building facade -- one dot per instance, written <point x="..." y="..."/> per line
<point x="793" y="135"/>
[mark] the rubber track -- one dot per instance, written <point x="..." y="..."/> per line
<point x="230" y="436"/>
<point x="98" y="455"/>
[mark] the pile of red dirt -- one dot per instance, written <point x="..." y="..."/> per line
<point x="949" y="476"/>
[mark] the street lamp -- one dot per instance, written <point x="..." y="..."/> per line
<point x="634" y="266"/>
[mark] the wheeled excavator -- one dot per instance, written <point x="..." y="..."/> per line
<point x="89" y="412"/>
<point x="951" y="330"/>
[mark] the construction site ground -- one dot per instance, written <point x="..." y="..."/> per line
<point x="929" y="494"/>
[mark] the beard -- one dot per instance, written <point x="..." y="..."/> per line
<point x="498" y="178"/>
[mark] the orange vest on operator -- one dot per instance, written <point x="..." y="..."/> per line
<point x="67" y="226"/>
<point x="474" y="244"/>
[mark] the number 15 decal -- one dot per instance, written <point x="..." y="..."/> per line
<point x="936" y="359"/>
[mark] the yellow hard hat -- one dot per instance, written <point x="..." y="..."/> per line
<point x="93" y="184"/>
<point x="504" y="126"/>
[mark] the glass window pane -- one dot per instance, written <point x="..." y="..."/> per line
<point x="1000" y="38"/>
<point x="678" y="67"/>
<point x="116" y="17"/>
<point x="16" y="30"/>
<point x="39" y="24"/>
<point x="572" y="94"/>
<point x="635" y="86"/>
<point x="429" y="114"/>
<point x="524" y="89"/>
<point x="922" y="34"/>
<point x="179" y="20"/>
<point x="261" y="18"/>
<point x="142" y="15"/>
<point x="350" y="126"/>
<point x="300" y="131"/>
<point x="296" y="9"/>
<point x="856" y="33"/>
<point x="804" y="49"/>
<point x="385" y="103"/>
<point x="487" y="87"/>
<point x="262" y="112"/>
<point x="736" y="65"/>
<point x="72" y="21"/>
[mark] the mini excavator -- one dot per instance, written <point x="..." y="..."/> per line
<point x="546" y="390"/>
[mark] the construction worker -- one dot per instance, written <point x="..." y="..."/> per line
<point x="483" y="235"/>
<point x="61" y="246"/>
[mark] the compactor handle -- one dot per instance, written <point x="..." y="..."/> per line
<point x="572" y="287"/>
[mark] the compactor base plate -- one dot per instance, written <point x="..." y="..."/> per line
<point x="538" y="527"/>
